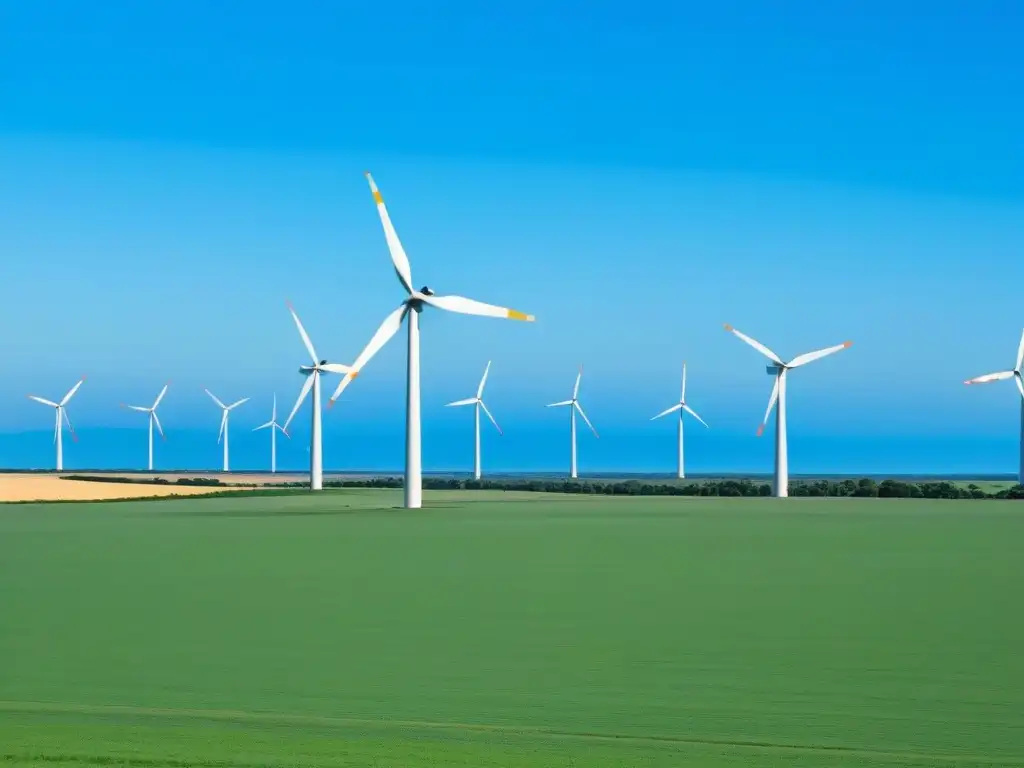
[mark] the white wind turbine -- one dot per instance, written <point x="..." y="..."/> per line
<point x="1015" y="374"/>
<point x="681" y="406"/>
<point x="61" y="412"/>
<point x="313" y="373"/>
<point x="478" y="403"/>
<point x="410" y="309"/>
<point x="223" y="434"/>
<point x="574" y="405"/>
<point x="273" y="426"/>
<point x="153" y="419"/>
<point x="779" y="369"/>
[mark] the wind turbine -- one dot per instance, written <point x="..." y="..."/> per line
<point x="273" y="426"/>
<point x="779" y="369"/>
<point x="153" y="419"/>
<point x="1015" y="374"/>
<point x="574" y="405"/>
<point x="681" y="406"/>
<point x="224" y="422"/>
<point x="313" y="373"/>
<point x="478" y="403"/>
<point x="61" y="412"/>
<point x="411" y="308"/>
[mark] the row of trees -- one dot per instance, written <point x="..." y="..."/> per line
<point x="863" y="488"/>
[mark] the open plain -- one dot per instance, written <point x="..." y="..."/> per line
<point x="335" y="629"/>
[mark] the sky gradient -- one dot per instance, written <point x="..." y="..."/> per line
<point x="172" y="173"/>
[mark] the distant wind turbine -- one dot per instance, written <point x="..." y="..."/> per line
<point x="223" y="434"/>
<point x="680" y="407"/>
<point x="273" y="426"/>
<point x="574" y="406"/>
<point x="153" y="419"/>
<point x="61" y="412"/>
<point x="1014" y="374"/>
<point x="779" y="370"/>
<point x="313" y="373"/>
<point x="478" y="403"/>
<point x="411" y="308"/>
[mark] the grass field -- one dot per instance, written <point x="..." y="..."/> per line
<point x="511" y="629"/>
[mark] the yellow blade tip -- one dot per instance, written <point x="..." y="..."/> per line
<point x="847" y="344"/>
<point x="727" y="327"/>
<point x="760" y="430"/>
<point x="514" y="315"/>
<point x="353" y="374"/>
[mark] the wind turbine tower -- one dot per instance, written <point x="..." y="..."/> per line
<point x="223" y="434"/>
<point x="478" y="403"/>
<point x="313" y="373"/>
<point x="1014" y="374"/>
<point x="680" y="407"/>
<point x="779" y="370"/>
<point x="153" y="419"/>
<point x="410" y="309"/>
<point x="273" y="426"/>
<point x="574" y="406"/>
<point x="61" y="413"/>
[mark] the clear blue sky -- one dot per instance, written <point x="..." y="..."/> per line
<point x="635" y="175"/>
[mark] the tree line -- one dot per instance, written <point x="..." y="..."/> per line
<point x="862" y="488"/>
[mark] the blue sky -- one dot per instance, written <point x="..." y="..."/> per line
<point x="170" y="173"/>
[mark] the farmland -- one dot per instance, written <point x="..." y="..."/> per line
<point x="508" y="629"/>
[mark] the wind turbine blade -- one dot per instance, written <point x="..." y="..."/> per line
<point x="273" y="413"/>
<point x="755" y="344"/>
<point x="71" y="392"/>
<point x="137" y="408"/>
<point x="306" y="386"/>
<point x="238" y="403"/>
<point x="159" y="428"/>
<point x="472" y="307"/>
<point x="771" y="404"/>
<point x="576" y="386"/>
<point x="467" y="401"/>
<point x="223" y="424"/>
<point x="990" y="377"/>
<point x="1020" y="384"/>
<point x="335" y="368"/>
<point x="263" y="426"/>
<point x="810" y="357"/>
<point x="489" y="416"/>
<point x="67" y="420"/>
<point x="580" y="409"/>
<point x="303" y="334"/>
<point x="161" y="395"/>
<point x="667" y="411"/>
<point x="559" y="404"/>
<point x="278" y="426"/>
<point x="43" y="400"/>
<point x="218" y="402"/>
<point x="383" y="335"/>
<point x="693" y="413"/>
<point x="480" y="389"/>
<point x="1020" y="353"/>
<point x="682" y="394"/>
<point x="398" y="256"/>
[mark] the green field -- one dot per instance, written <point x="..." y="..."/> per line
<point x="505" y="629"/>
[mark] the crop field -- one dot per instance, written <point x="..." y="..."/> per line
<point x="511" y="629"/>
